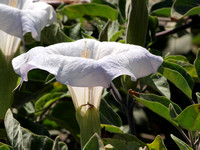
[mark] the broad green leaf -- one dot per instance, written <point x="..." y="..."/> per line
<point x="108" y="116"/>
<point x="21" y="138"/>
<point x="162" y="12"/>
<point x="159" y="105"/>
<point x="182" y="71"/>
<point x="177" y="79"/>
<point x="111" y="128"/>
<point x="94" y="143"/>
<point x="183" y="62"/>
<point x="90" y="9"/>
<point x="137" y="23"/>
<point x="182" y="145"/>
<point x="124" y="142"/>
<point x="157" y="144"/>
<point x="182" y="8"/>
<point x="5" y="147"/>
<point x="176" y="57"/>
<point x="67" y="121"/>
<point x="53" y="34"/>
<point x="46" y="100"/>
<point x="116" y="35"/>
<point x="159" y="84"/>
<point x="197" y="64"/>
<point x="189" y="118"/>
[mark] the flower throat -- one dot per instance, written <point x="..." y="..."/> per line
<point x="13" y="3"/>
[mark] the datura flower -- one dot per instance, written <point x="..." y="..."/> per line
<point x="87" y="66"/>
<point x="18" y="17"/>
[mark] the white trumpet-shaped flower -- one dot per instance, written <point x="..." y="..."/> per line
<point x="88" y="65"/>
<point x="18" y="17"/>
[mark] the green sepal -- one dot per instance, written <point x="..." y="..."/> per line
<point x="89" y="123"/>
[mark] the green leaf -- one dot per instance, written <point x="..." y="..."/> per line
<point x="5" y="147"/>
<point x="176" y="57"/>
<point x="137" y="23"/>
<point x="90" y="9"/>
<point x="162" y="12"/>
<point x="46" y="100"/>
<point x="108" y="116"/>
<point x="182" y="145"/>
<point x="182" y="71"/>
<point x="157" y="144"/>
<point x="67" y="121"/>
<point x="53" y="34"/>
<point x="111" y="128"/>
<point x="197" y="64"/>
<point x="159" y="84"/>
<point x="124" y="142"/>
<point x="182" y="8"/>
<point x="177" y="79"/>
<point x="21" y="138"/>
<point x="94" y="143"/>
<point x="159" y="105"/>
<point x="189" y="118"/>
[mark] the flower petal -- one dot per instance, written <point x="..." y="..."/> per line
<point x="33" y="18"/>
<point x="74" y="70"/>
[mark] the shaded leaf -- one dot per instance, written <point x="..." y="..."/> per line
<point x="159" y="84"/>
<point x="91" y="9"/>
<point x="157" y="144"/>
<point x="197" y="64"/>
<point x="108" y="116"/>
<point x="162" y="12"/>
<point x="53" y="34"/>
<point x="182" y="8"/>
<point x="189" y="118"/>
<point x="103" y="35"/>
<point x="137" y="23"/>
<point x="67" y="121"/>
<point x="182" y="145"/>
<point x="124" y="141"/>
<point x="21" y="138"/>
<point x="94" y="143"/>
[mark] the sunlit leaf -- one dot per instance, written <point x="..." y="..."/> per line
<point x="177" y="79"/>
<point x="157" y="144"/>
<point x="189" y="118"/>
<point x="182" y="145"/>
<point x="159" y="105"/>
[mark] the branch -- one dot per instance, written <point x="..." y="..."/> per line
<point x="177" y="29"/>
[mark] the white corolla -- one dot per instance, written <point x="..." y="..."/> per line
<point x="88" y="65"/>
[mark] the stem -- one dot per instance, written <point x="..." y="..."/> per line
<point x="184" y="135"/>
<point x="130" y="116"/>
<point x="191" y="139"/>
<point x="177" y="29"/>
<point x="128" y="105"/>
